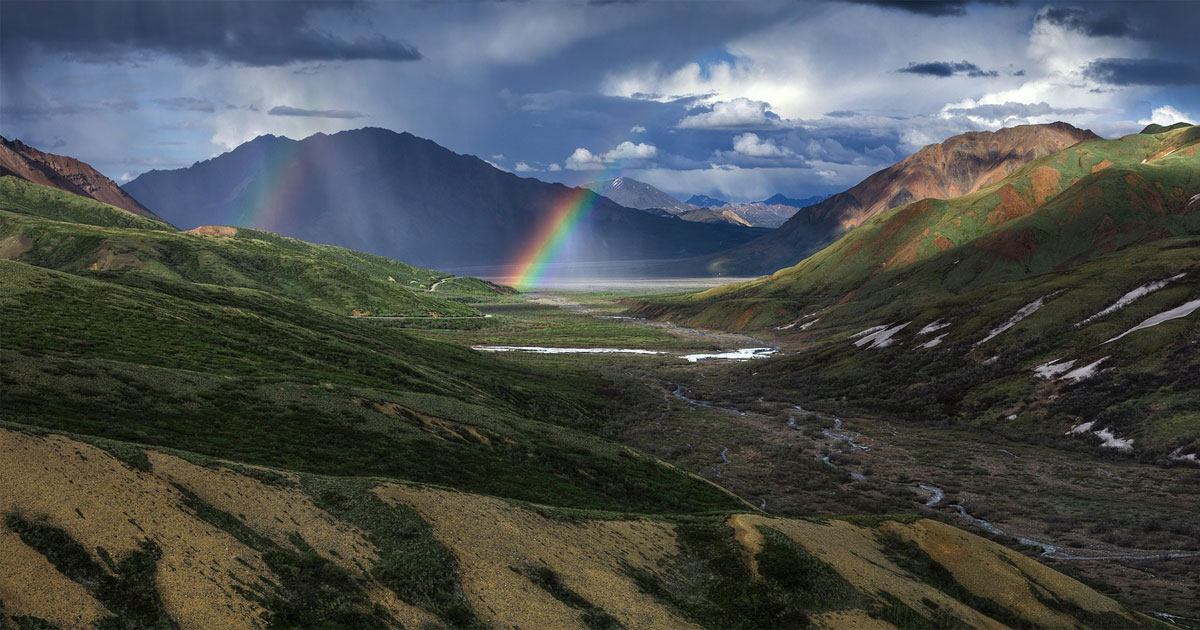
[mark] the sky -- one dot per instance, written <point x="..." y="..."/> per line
<point x="738" y="100"/>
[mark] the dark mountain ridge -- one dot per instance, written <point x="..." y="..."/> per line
<point x="408" y="198"/>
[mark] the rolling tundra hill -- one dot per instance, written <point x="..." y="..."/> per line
<point x="1064" y="295"/>
<point x="396" y="195"/>
<point x="958" y="166"/>
<point x="52" y="229"/>
<point x="65" y="173"/>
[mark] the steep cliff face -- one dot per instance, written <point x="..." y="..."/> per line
<point x="66" y="173"/>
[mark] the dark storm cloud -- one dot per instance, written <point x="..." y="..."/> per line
<point x="1143" y="72"/>
<point x="186" y="104"/>
<point x="1111" y="23"/>
<point x="943" y="69"/>
<point x="196" y="31"/>
<point x="935" y="8"/>
<point x="284" y="110"/>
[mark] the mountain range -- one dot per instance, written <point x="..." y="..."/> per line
<point x="397" y="195"/>
<point x="769" y="213"/>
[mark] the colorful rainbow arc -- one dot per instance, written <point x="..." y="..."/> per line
<point x="532" y="264"/>
<point x="274" y="193"/>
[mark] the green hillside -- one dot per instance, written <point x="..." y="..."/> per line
<point x="18" y="195"/>
<point x="1028" y="276"/>
<point x="56" y="230"/>
<point x="244" y="375"/>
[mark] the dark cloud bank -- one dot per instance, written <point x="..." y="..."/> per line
<point x="248" y="33"/>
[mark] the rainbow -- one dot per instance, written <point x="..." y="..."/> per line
<point x="273" y="193"/>
<point x="532" y="263"/>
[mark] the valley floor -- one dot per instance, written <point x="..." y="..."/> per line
<point x="1125" y="527"/>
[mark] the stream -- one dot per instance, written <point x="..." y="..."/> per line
<point x="1050" y="550"/>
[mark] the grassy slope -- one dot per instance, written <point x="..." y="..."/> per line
<point x="1149" y="394"/>
<point x="242" y="374"/>
<point x="89" y="238"/>
<point x="19" y="195"/>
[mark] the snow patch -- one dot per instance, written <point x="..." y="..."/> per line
<point x="1176" y="313"/>
<point x="736" y="355"/>
<point x="1085" y="372"/>
<point x="933" y="326"/>
<point x="1178" y="454"/>
<point x="1022" y="313"/>
<point x="881" y="338"/>
<point x="871" y="330"/>
<point x="800" y="319"/>
<point x="809" y="324"/>
<point x="933" y="343"/>
<point x="1081" y="428"/>
<point x="1112" y="441"/>
<point x="1052" y="368"/>
<point x="1129" y="298"/>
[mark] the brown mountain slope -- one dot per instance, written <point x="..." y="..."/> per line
<point x="715" y="215"/>
<point x="66" y="173"/>
<point x="956" y="167"/>
<point x="962" y="164"/>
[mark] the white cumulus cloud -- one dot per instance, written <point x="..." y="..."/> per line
<point x="739" y="113"/>
<point x="584" y="160"/>
<point x="751" y="145"/>
<point x="637" y="129"/>
<point x="1166" y="116"/>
